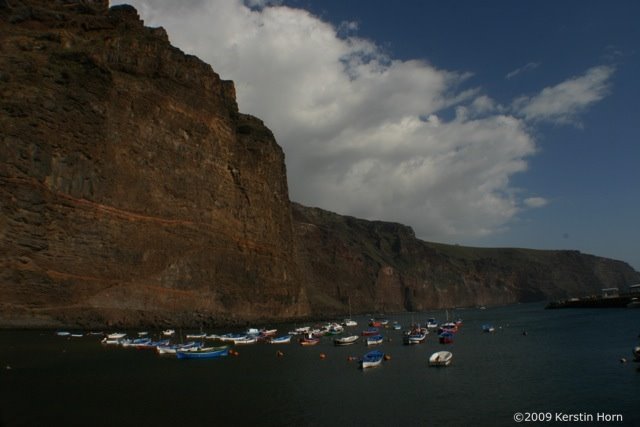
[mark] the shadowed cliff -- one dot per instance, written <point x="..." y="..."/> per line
<point x="381" y="266"/>
<point x="133" y="191"/>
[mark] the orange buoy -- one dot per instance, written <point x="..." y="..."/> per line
<point x="387" y="357"/>
<point x="279" y="353"/>
<point x="351" y="358"/>
<point x="323" y="356"/>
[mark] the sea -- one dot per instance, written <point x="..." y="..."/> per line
<point x="539" y="367"/>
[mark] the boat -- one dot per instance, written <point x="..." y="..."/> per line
<point x="200" y="336"/>
<point x="349" y="322"/>
<point x="445" y="338"/>
<point x="440" y="358"/>
<point x="351" y="339"/>
<point x="285" y="339"/>
<point x="375" y="339"/>
<point x="76" y="335"/>
<point x="371" y="359"/>
<point x="488" y="328"/>
<point x="168" y="332"/>
<point x="309" y="339"/>
<point x="143" y="333"/>
<point x="636" y="353"/>
<point x="116" y="335"/>
<point x="248" y="339"/>
<point x="370" y="331"/>
<point x="204" y="353"/>
<point x="397" y="326"/>
<point x="63" y="333"/>
<point x="416" y="336"/>
<point x="173" y="349"/>
<point x="432" y="323"/>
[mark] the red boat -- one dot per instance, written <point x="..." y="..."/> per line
<point x="309" y="340"/>
<point x="370" y="331"/>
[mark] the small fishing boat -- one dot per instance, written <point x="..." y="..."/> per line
<point x="247" y="339"/>
<point x="370" y="331"/>
<point x="200" y="336"/>
<point x="375" y="339"/>
<point x="445" y="338"/>
<point x="309" y="339"/>
<point x="397" y="326"/>
<point x="415" y="337"/>
<point x="76" y="335"/>
<point x="143" y="333"/>
<point x="440" y="358"/>
<point x="116" y="335"/>
<point x="285" y="339"/>
<point x="63" y="333"/>
<point x="448" y="327"/>
<point x="351" y="339"/>
<point x="432" y="323"/>
<point x="371" y="359"/>
<point x="204" y="353"/>
<point x="349" y="322"/>
<point x="168" y="332"/>
<point x="173" y="349"/>
<point x="488" y="328"/>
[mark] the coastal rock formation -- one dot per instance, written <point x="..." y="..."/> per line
<point x="133" y="191"/>
<point x="377" y="266"/>
<point x="131" y="188"/>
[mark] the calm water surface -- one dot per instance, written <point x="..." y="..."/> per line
<point x="569" y="362"/>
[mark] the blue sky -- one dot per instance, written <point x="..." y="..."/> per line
<point x="494" y="123"/>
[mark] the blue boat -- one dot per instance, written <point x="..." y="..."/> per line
<point x="375" y="339"/>
<point x="371" y="359"/>
<point x="445" y="338"/>
<point x="205" y="353"/>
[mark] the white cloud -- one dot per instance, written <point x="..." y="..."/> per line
<point x="363" y="133"/>
<point x="563" y="102"/>
<point x="535" y="202"/>
<point x="527" y="67"/>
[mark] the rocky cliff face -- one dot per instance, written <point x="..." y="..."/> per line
<point x="132" y="191"/>
<point x="380" y="266"/>
<point x="131" y="188"/>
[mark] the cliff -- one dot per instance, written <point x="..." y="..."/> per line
<point x="131" y="188"/>
<point x="380" y="266"/>
<point x="133" y="191"/>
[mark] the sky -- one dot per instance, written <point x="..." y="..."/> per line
<point x="491" y="124"/>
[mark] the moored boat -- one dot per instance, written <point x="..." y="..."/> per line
<point x="371" y="359"/>
<point x="351" y="339"/>
<point x="375" y="339"/>
<point x="349" y="322"/>
<point x="370" y="331"/>
<point x="200" y="336"/>
<point x="432" y="323"/>
<point x="417" y="336"/>
<point x="445" y="338"/>
<point x="204" y="353"/>
<point x="116" y="335"/>
<point x="285" y="339"/>
<point x="168" y="332"/>
<point x="440" y="358"/>
<point x="488" y="328"/>
<point x="309" y="339"/>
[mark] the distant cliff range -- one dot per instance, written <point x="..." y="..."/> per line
<point x="133" y="192"/>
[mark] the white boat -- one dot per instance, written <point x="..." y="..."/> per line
<point x="63" y="333"/>
<point x="168" y="332"/>
<point x="375" y="339"/>
<point x="285" y="339"/>
<point x="116" y="335"/>
<point x="248" y="339"/>
<point x="201" y="335"/>
<point x="440" y="358"/>
<point x="112" y="341"/>
<point x="432" y="323"/>
<point x="371" y="359"/>
<point x="349" y="322"/>
<point x="351" y="339"/>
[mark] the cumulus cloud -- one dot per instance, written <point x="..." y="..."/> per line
<point x="365" y="134"/>
<point x="563" y="102"/>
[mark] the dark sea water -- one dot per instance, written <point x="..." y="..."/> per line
<point x="567" y="363"/>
